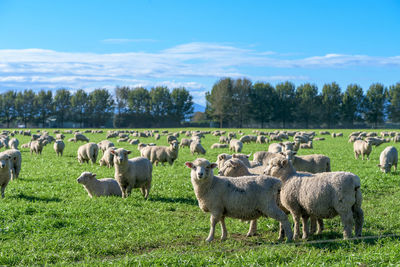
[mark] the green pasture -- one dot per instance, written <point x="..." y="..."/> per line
<point x="46" y="217"/>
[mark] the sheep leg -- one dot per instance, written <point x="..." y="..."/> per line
<point x="313" y="225"/>
<point x="276" y="213"/>
<point x="358" y="215"/>
<point x="347" y="221"/>
<point x="223" y="229"/>
<point x="296" y="219"/>
<point x="281" y="233"/>
<point x="213" y="222"/>
<point x="320" y="226"/>
<point x="128" y="190"/>
<point x="252" y="229"/>
<point x="304" y="220"/>
<point x="3" y="187"/>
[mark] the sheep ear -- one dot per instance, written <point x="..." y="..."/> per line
<point x="128" y="152"/>
<point x="94" y="175"/>
<point x="213" y="165"/>
<point x="112" y="152"/>
<point x="220" y="157"/>
<point x="248" y="156"/>
<point x="189" y="164"/>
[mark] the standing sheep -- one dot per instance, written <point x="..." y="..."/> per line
<point x="321" y="195"/>
<point x="80" y="137"/>
<point x="247" y="198"/>
<point x="314" y="163"/>
<point x="185" y="142"/>
<point x="88" y="152"/>
<point x="196" y="147"/>
<point x="13" y="143"/>
<point x="221" y="159"/>
<point x="5" y="173"/>
<point x="108" y="158"/>
<point x="161" y="154"/>
<point x="104" y="145"/>
<point x="36" y="146"/>
<point x="59" y="147"/>
<point x="235" y="145"/>
<point x="362" y="148"/>
<point x="101" y="187"/>
<point x="388" y="158"/>
<point x="132" y="173"/>
<point x="216" y="145"/>
<point x="15" y="162"/>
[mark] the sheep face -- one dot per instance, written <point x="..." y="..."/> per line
<point x="202" y="169"/>
<point x="385" y="168"/>
<point x="230" y="167"/>
<point x="277" y="167"/>
<point x="86" y="177"/>
<point x="4" y="161"/>
<point x="174" y="145"/>
<point x="289" y="154"/>
<point x="120" y="155"/>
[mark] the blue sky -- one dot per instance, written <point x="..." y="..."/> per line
<point x="92" y="44"/>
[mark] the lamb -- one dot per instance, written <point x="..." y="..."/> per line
<point x="108" y="158"/>
<point x="27" y="145"/>
<point x="13" y="143"/>
<point x="5" y="172"/>
<point x="388" y="158"/>
<point x="101" y="187"/>
<point x="104" y="145"/>
<point x="216" y="145"/>
<point x="36" y="146"/>
<point x="59" y="147"/>
<point x="321" y="195"/>
<point x="185" y="142"/>
<point x="196" y="147"/>
<point x="15" y="162"/>
<point x="132" y="173"/>
<point x="80" y="137"/>
<point x="235" y="145"/>
<point x="161" y="154"/>
<point x="88" y="152"/>
<point x="314" y="163"/>
<point x="362" y="148"/>
<point x="308" y="145"/>
<point x="247" y="198"/>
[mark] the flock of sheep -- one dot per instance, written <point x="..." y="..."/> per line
<point x="275" y="183"/>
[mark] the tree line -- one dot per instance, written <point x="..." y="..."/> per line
<point x="131" y="107"/>
<point x="240" y="103"/>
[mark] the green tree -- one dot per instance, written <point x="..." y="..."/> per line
<point x="44" y="102"/>
<point x="26" y="106"/>
<point x="160" y="105"/>
<point x="241" y="100"/>
<point x="62" y="106"/>
<point x="352" y="104"/>
<point x="80" y="106"/>
<point x="182" y="104"/>
<point x="102" y="107"/>
<point x="7" y="107"/>
<point x="331" y="103"/>
<point x="286" y="102"/>
<point x="394" y="103"/>
<point x="219" y="100"/>
<point x="121" y="97"/>
<point x="375" y="103"/>
<point x="307" y="103"/>
<point x="263" y="99"/>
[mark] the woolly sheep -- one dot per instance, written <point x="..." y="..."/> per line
<point x="263" y="157"/>
<point x="108" y="158"/>
<point x="236" y="167"/>
<point x="196" y="147"/>
<point x="36" y="146"/>
<point x="321" y="195"/>
<point x="221" y="159"/>
<point x="247" y="198"/>
<point x="15" y="162"/>
<point x="235" y="145"/>
<point x="80" y="137"/>
<point x="60" y="136"/>
<point x="132" y="173"/>
<point x="353" y="138"/>
<point x="27" y="145"/>
<point x="185" y="142"/>
<point x="171" y="138"/>
<point x="308" y="145"/>
<point x="5" y="172"/>
<point x="261" y="139"/>
<point x="375" y="141"/>
<point x="362" y="148"/>
<point x="104" y="145"/>
<point x="101" y="187"/>
<point x="88" y="152"/>
<point x="245" y="159"/>
<point x="59" y="147"/>
<point x="161" y="154"/>
<point x="13" y="143"/>
<point x="216" y="145"/>
<point x="388" y="158"/>
<point x="245" y="139"/>
<point x="224" y="139"/>
<point x="275" y="147"/>
<point x="314" y="163"/>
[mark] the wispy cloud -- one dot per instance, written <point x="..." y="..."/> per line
<point x="125" y="41"/>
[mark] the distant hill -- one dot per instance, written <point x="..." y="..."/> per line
<point x="198" y="107"/>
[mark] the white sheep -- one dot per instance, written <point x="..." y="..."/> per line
<point x="88" y="152"/>
<point x="108" y="158"/>
<point x="13" y="143"/>
<point x="245" y="159"/>
<point x="216" y="145"/>
<point x="132" y="173"/>
<point x="59" y="147"/>
<point x="221" y="159"/>
<point x="247" y="198"/>
<point x="245" y="139"/>
<point x="185" y="142"/>
<point x="15" y="162"/>
<point x="263" y="157"/>
<point x="224" y="139"/>
<point x="161" y="154"/>
<point x="60" y="136"/>
<point x="5" y="172"/>
<point x="308" y="145"/>
<point x="388" y="158"/>
<point x="104" y="144"/>
<point x="362" y="148"/>
<point x="101" y="187"/>
<point x="235" y="145"/>
<point x="196" y="147"/>
<point x="313" y="163"/>
<point x="36" y="146"/>
<point x="80" y="137"/>
<point x="321" y="195"/>
<point x="261" y="139"/>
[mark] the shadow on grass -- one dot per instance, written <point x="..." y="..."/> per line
<point x="36" y="198"/>
<point x="182" y="200"/>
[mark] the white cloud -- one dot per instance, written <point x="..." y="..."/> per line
<point x="124" y="41"/>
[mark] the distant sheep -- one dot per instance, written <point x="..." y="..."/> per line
<point x="108" y="158"/>
<point x="388" y="158"/>
<point x="104" y="145"/>
<point x="314" y="163"/>
<point x="196" y="147"/>
<point x="161" y="154"/>
<point x="362" y="148"/>
<point x="308" y="145"/>
<point x="185" y="142"/>
<point x="80" y="137"/>
<point x="101" y="187"/>
<point x="88" y="152"/>
<point x="216" y="145"/>
<point x="36" y="146"/>
<point x="59" y="147"/>
<point x="235" y="145"/>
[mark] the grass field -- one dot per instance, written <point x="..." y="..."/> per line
<point x="46" y="217"/>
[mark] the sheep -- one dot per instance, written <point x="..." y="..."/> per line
<point x="261" y="139"/>
<point x="245" y="139"/>
<point x="308" y="145"/>
<point x="59" y="147"/>
<point x="80" y="137"/>
<point x="353" y="138"/>
<point x="123" y="140"/>
<point x="275" y="147"/>
<point x="245" y="159"/>
<point x="156" y="136"/>
<point x="161" y="154"/>
<point x="235" y="145"/>
<point x="5" y="172"/>
<point x="319" y="139"/>
<point x="15" y="162"/>
<point x="27" y="145"/>
<point x="216" y="145"/>
<point x="362" y="148"/>
<point x="247" y="198"/>
<point x="108" y="158"/>
<point x="388" y="158"/>
<point x="320" y="196"/>
<point x="132" y="173"/>
<point x="196" y="147"/>
<point x="72" y="140"/>
<point x="236" y="167"/>
<point x="60" y="136"/>
<point x="101" y="187"/>
<point x="324" y="133"/>
<point x="224" y="139"/>
<point x="104" y="145"/>
<point x="88" y="152"/>
<point x="314" y="163"/>
<point x="36" y="146"/>
<point x="221" y="159"/>
<point x="13" y="143"/>
<point x="375" y="141"/>
<point x="171" y="138"/>
<point x="396" y="138"/>
<point x="263" y="157"/>
<point x="134" y="141"/>
<point x="185" y="142"/>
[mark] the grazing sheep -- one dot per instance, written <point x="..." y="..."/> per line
<point x="314" y="163"/>
<point x="108" y="158"/>
<point x="161" y="154"/>
<point x="319" y="139"/>
<point x="88" y="152"/>
<point x="245" y="139"/>
<point x="36" y="146"/>
<point x="216" y="145"/>
<point x="196" y="147"/>
<point x="308" y="145"/>
<point x="5" y="172"/>
<point x="324" y="133"/>
<point x="59" y="147"/>
<point x="185" y="142"/>
<point x="123" y="140"/>
<point x="132" y="173"/>
<point x="235" y="145"/>
<point x="15" y="162"/>
<point x="134" y="141"/>
<point x="261" y="139"/>
<point x="104" y="145"/>
<point x="27" y="145"/>
<point x="60" y="136"/>
<point x="375" y="141"/>
<point x="13" y="143"/>
<point x="80" y="137"/>
<point x="353" y="138"/>
<point x="101" y="187"/>
<point x="247" y="198"/>
<point x="362" y="148"/>
<point x="224" y="139"/>
<point x="275" y="148"/>
<point x="321" y="195"/>
<point x="388" y="158"/>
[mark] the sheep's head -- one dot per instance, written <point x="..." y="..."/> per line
<point x="86" y="177"/>
<point x="278" y="167"/>
<point x="233" y="168"/>
<point x="289" y="154"/>
<point x="202" y="169"/>
<point x="174" y="145"/>
<point x="120" y="155"/>
<point x="221" y="158"/>
<point x="4" y="161"/>
<point x="385" y="168"/>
